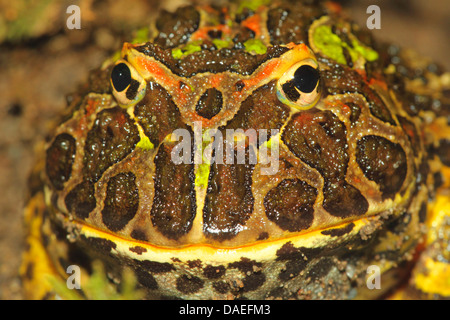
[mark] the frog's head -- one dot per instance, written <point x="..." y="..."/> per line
<point x="295" y="71"/>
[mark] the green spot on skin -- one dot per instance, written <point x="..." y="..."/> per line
<point x="252" y="5"/>
<point x="177" y="53"/>
<point x="220" y="44"/>
<point x="188" y="49"/>
<point x="332" y="46"/>
<point x="255" y="46"/>
<point x="202" y="172"/>
<point x="366" y="52"/>
<point x="145" y="143"/>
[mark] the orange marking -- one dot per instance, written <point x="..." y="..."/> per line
<point x="345" y="109"/>
<point x="216" y="79"/>
<point x="91" y="107"/>
<point x="157" y="71"/>
<point x="378" y="83"/>
<point x="202" y="33"/>
<point x="263" y="74"/>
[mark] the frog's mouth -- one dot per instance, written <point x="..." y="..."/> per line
<point x="264" y="251"/>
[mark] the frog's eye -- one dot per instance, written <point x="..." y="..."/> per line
<point x="127" y="84"/>
<point x="300" y="86"/>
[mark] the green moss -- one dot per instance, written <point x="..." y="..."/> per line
<point x="332" y="46"/>
<point x="255" y="46"/>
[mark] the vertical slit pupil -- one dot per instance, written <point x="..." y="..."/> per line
<point x="306" y="78"/>
<point x="121" y="77"/>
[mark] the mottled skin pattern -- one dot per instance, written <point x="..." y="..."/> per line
<point x="355" y="172"/>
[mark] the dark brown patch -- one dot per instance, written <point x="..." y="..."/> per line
<point x="138" y="235"/>
<point x="229" y="199"/>
<point x="261" y="110"/>
<point x="211" y="60"/>
<point x="103" y="245"/>
<point x="60" y="158"/>
<point x="121" y="202"/>
<point x="146" y="279"/>
<point x="239" y="85"/>
<point x="287" y="23"/>
<point x="132" y="89"/>
<point x="399" y="224"/>
<point x="29" y="272"/>
<point x="194" y="263"/>
<point x="99" y="80"/>
<point x="175" y="28"/>
<point x="157" y="114"/>
<point x="290" y="91"/>
<point x="340" y="79"/>
<point x="245" y="265"/>
<point x="443" y="151"/>
<point x="296" y="259"/>
<point x="286" y="251"/>
<point x="213" y="272"/>
<point x="189" y="284"/>
<point x="290" y="205"/>
<point x="263" y="236"/>
<point x="343" y="200"/>
<point x="338" y="232"/>
<point x="221" y="287"/>
<point x="319" y="139"/>
<point x="155" y="267"/>
<point x="423" y="212"/>
<point x="138" y="249"/>
<point x="410" y="130"/>
<point x="15" y="109"/>
<point x="81" y="199"/>
<point x="210" y="103"/>
<point x="280" y="293"/>
<point x="382" y="161"/>
<point x="320" y="269"/>
<point x="174" y="204"/>
<point x="355" y="111"/>
<point x="112" y="138"/>
<point x="253" y="281"/>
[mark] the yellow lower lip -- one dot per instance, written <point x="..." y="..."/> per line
<point x="259" y="251"/>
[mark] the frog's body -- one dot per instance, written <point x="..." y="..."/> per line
<point x="361" y="134"/>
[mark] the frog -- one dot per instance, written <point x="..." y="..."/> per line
<point x="347" y="196"/>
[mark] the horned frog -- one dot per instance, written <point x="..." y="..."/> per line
<point x="359" y="130"/>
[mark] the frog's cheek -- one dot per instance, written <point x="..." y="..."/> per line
<point x="127" y="85"/>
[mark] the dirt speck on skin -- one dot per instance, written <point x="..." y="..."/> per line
<point x="44" y="62"/>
